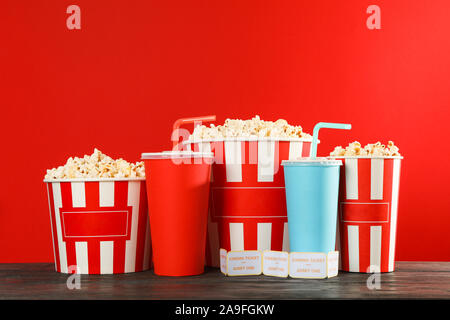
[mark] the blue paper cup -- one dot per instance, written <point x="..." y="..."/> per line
<point x="312" y="188"/>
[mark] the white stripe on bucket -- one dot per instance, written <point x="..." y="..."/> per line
<point x="78" y="195"/>
<point x="376" y="179"/>
<point x="106" y="193"/>
<point x="51" y="226"/>
<point x="81" y="250"/>
<point x="106" y="257"/>
<point x="394" y="212"/>
<point x="295" y="149"/>
<point x="61" y="244"/>
<point x="134" y="188"/>
<point x="286" y="237"/>
<point x="236" y="236"/>
<point x="351" y="178"/>
<point x="375" y="249"/>
<point x="353" y="248"/>
<point x="266" y="161"/>
<point x="264" y="236"/>
<point x="233" y="161"/>
<point x="204" y="147"/>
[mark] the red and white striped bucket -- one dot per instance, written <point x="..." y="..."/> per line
<point x="247" y="209"/>
<point x="368" y="205"/>
<point x="100" y="226"/>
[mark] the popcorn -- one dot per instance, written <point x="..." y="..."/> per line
<point x="97" y="165"/>
<point x="253" y="128"/>
<point x="371" y="149"/>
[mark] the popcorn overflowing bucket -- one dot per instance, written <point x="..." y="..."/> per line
<point x="247" y="209"/>
<point x="99" y="226"/>
<point x="368" y="202"/>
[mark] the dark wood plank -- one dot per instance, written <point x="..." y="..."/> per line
<point x="412" y="280"/>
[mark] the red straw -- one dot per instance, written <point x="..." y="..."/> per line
<point x="182" y="121"/>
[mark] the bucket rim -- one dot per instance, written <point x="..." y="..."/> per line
<point x="93" y="179"/>
<point x="176" y="154"/>
<point x="249" y="139"/>
<point x="365" y="157"/>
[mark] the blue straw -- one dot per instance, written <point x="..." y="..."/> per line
<point x="327" y="125"/>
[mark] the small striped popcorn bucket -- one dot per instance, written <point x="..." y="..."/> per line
<point x="99" y="226"/>
<point x="368" y="203"/>
<point x="247" y="209"/>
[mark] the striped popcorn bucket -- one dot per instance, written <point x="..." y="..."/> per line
<point x="368" y="203"/>
<point x="247" y="209"/>
<point x="99" y="226"/>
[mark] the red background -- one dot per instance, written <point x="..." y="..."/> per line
<point x="136" y="66"/>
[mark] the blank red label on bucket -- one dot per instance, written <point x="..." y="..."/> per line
<point x="308" y="265"/>
<point x="364" y="212"/>
<point x="96" y="224"/>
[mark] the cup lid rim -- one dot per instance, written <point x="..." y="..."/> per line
<point x="176" y="154"/>
<point x="318" y="161"/>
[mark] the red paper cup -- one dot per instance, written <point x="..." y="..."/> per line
<point x="368" y="202"/>
<point x="99" y="226"/>
<point x="248" y="201"/>
<point x="178" y="189"/>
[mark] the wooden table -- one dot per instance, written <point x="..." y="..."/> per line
<point x="412" y="280"/>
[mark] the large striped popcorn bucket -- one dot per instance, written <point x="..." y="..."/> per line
<point x="99" y="226"/>
<point x="247" y="208"/>
<point x="368" y="203"/>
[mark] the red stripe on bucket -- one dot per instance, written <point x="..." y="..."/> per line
<point x="306" y="149"/>
<point x="364" y="175"/>
<point x="364" y="247"/>
<point x="249" y="172"/>
<point x="224" y="234"/>
<point x="66" y="199"/>
<point x="345" y="263"/>
<point x="277" y="241"/>
<point x="250" y="235"/>
<point x="120" y="200"/>
<point x="218" y="148"/>
<point x="94" y="256"/>
<point x="54" y="228"/>
<point x="141" y="228"/>
<point x="119" y="256"/>
<point x="71" y="254"/>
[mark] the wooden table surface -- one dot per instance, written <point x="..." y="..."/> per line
<point x="411" y="280"/>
